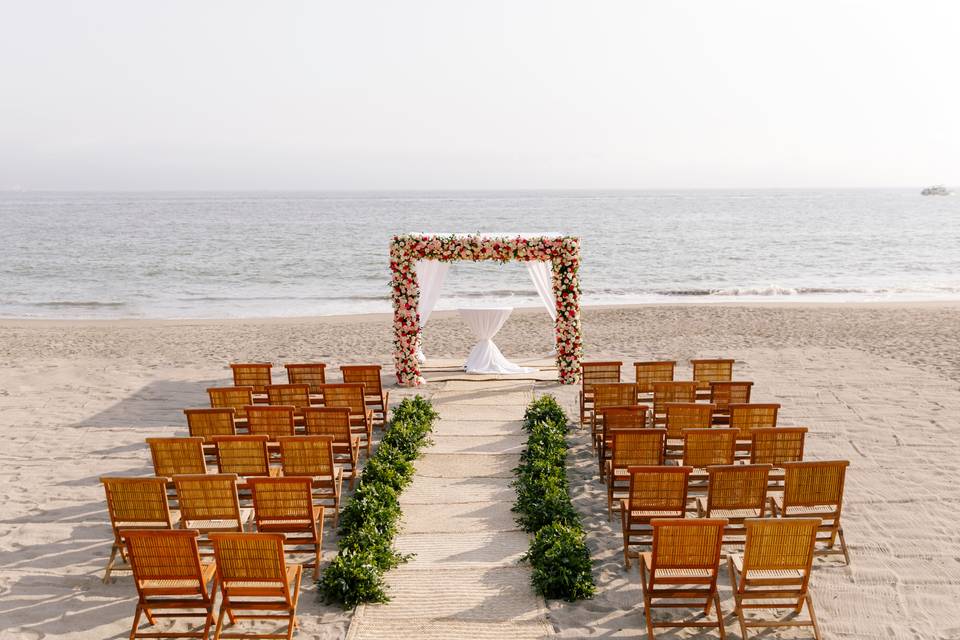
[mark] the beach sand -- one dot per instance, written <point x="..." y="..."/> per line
<point x="878" y="384"/>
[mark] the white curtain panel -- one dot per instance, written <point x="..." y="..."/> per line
<point x="430" y="277"/>
<point x="542" y="275"/>
<point x="485" y="357"/>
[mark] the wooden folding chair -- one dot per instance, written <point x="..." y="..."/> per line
<point x="610" y="418"/>
<point x="655" y="492"/>
<point x="774" y="572"/>
<point x="723" y="394"/>
<point x="271" y="420"/>
<point x="680" y="416"/>
<point x="649" y="372"/>
<point x="369" y="376"/>
<point x="285" y="505"/>
<point x="295" y="395"/>
<point x="175" y="456"/>
<point x="313" y="456"/>
<point x="208" y="422"/>
<point x="253" y="374"/>
<point x="747" y="417"/>
<point x="605" y="395"/>
<point x="246" y="456"/>
<point x="256" y="583"/>
<point x="709" y="370"/>
<point x="776" y="445"/>
<point x="350" y="395"/>
<point x="312" y="374"/>
<point x="671" y="392"/>
<point x="236" y="398"/>
<point x="171" y="580"/>
<point x="592" y="373"/>
<point x="134" y="503"/>
<point x="735" y="492"/>
<point x="630" y="448"/>
<point x="210" y="503"/>
<point x="335" y="422"/>
<point x="681" y="570"/>
<point x="704" y="448"/>
<point x="815" y="489"/>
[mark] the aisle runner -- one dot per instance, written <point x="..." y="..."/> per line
<point x="464" y="581"/>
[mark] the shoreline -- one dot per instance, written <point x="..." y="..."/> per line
<point x="450" y="313"/>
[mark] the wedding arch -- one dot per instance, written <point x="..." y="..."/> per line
<point x="562" y="252"/>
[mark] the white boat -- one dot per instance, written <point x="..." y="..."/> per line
<point x="936" y="190"/>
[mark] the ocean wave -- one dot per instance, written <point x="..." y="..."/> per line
<point x="88" y="304"/>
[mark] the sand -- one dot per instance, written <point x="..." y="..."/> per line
<point x="878" y="384"/>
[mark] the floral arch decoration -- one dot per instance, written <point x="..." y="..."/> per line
<point x="563" y="252"/>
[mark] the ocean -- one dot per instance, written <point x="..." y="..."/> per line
<point x="248" y="254"/>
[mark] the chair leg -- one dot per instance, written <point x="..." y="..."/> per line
<point x="219" y="628"/>
<point x="136" y="623"/>
<point x="110" y="563"/>
<point x="646" y="601"/>
<point x="149" y="614"/>
<point x="610" y="501"/>
<point x="843" y="546"/>
<point x="207" y="622"/>
<point x="737" y="602"/>
<point x="720" y="626"/>
<point x="813" y="617"/>
<point x="626" y="537"/>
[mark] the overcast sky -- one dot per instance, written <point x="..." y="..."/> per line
<point x="450" y="94"/>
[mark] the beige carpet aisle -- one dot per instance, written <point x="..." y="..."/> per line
<point x="464" y="581"/>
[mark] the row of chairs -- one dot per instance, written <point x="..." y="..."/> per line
<point x="174" y="581"/>
<point x="208" y="504"/>
<point x="259" y="376"/>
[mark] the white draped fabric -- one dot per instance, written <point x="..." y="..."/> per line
<point x="430" y="276"/>
<point x="542" y="275"/>
<point x="485" y="357"/>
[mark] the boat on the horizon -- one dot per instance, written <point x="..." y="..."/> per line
<point x="936" y="190"/>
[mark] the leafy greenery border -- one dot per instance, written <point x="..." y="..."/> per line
<point x="558" y="552"/>
<point x="369" y="522"/>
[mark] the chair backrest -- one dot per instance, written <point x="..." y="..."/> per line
<point x="174" y="456"/>
<point x="664" y="392"/>
<point x="243" y="455"/>
<point x="307" y="455"/>
<point x="614" y="394"/>
<point x="251" y="564"/>
<point x="636" y="447"/>
<point x="599" y="373"/>
<point x="659" y="488"/>
<point x="142" y="501"/>
<point x="283" y="503"/>
<point x="206" y="423"/>
<point x="272" y="420"/>
<point x="236" y="398"/>
<point x="366" y="374"/>
<point x="312" y="374"/>
<point x="158" y="556"/>
<point x="776" y="445"/>
<point x="208" y="497"/>
<point x="296" y="395"/>
<point x="686" y="544"/>
<point x="253" y="374"/>
<point x="706" y="371"/>
<point x="779" y="544"/>
<point x="629" y="417"/>
<point x="814" y="484"/>
<point x="687" y="415"/>
<point x="706" y="447"/>
<point x="738" y="486"/>
<point x="348" y="395"/>
<point x="328" y="421"/>
<point x="723" y="394"/>
<point x="649" y="372"/>
<point x="747" y="417"/>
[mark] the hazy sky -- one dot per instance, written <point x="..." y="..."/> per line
<point x="446" y="94"/>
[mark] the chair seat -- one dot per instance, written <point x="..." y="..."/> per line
<point x="133" y="524"/>
<point x="801" y="510"/>
<point x="207" y="571"/>
<point x="258" y="584"/>
<point x="730" y="513"/>
<point x="654" y="514"/>
<point x="767" y="574"/>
